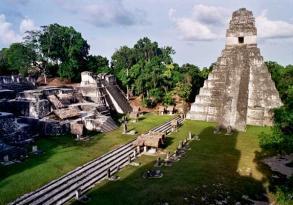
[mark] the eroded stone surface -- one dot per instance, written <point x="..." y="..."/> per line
<point x="51" y="111"/>
<point x="239" y="90"/>
<point x="102" y="89"/>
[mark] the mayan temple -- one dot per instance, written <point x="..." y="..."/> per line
<point x="239" y="91"/>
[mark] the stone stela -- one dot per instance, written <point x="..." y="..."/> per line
<point x="239" y="91"/>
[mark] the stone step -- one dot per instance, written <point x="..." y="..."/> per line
<point x="119" y="97"/>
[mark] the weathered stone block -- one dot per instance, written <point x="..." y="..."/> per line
<point x="36" y="109"/>
<point x="54" y="127"/>
<point x="7" y="94"/>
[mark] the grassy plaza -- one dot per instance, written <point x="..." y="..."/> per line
<point x="214" y="166"/>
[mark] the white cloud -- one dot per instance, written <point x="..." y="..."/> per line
<point x="204" y="24"/>
<point x="273" y="29"/>
<point x="209" y="23"/>
<point x="210" y="14"/>
<point x="194" y="30"/>
<point x="7" y="35"/>
<point x="26" y="25"/>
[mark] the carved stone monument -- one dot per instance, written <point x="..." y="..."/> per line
<point x="239" y="90"/>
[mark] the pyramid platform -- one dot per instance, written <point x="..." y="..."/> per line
<point x="239" y="91"/>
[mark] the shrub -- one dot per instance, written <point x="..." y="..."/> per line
<point x="168" y="100"/>
<point x="148" y="102"/>
<point x="284" y="193"/>
<point x="157" y="94"/>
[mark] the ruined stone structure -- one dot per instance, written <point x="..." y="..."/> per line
<point x="27" y="111"/>
<point x="239" y="90"/>
<point x="103" y="90"/>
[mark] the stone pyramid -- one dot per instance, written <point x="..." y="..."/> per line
<point x="239" y="91"/>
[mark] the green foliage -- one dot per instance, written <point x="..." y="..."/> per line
<point x="4" y="66"/>
<point x="148" y="70"/>
<point x="19" y="58"/>
<point x="148" y="102"/>
<point x="65" y="46"/>
<point x="62" y="43"/>
<point x="68" y="69"/>
<point x="168" y="99"/>
<point x="183" y="90"/>
<point x="122" y="59"/>
<point x="284" y="193"/>
<point x="54" y="49"/>
<point x="271" y="141"/>
<point x="283" y="78"/>
<point x="142" y="68"/>
<point x="281" y="138"/>
<point x="157" y="94"/>
<point x="195" y="77"/>
<point x="97" y="64"/>
<point x="168" y="70"/>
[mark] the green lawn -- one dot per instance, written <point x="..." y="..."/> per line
<point x="62" y="154"/>
<point x="217" y="167"/>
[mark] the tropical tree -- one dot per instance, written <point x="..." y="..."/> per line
<point x="97" y="64"/>
<point x="59" y="46"/>
<point x="183" y="90"/>
<point x="4" y="66"/>
<point x="20" y="58"/>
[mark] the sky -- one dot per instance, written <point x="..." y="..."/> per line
<point x="195" y="29"/>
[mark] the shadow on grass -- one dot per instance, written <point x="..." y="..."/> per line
<point x="279" y="184"/>
<point x="169" y="141"/>
<point x="141" y="118"/>
<point x="206" y="175"/>
<point x="117" y="117"/>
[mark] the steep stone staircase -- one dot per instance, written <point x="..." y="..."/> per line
<point x="118" y="96"/>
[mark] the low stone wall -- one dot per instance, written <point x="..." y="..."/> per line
<point x="16" y="79"/>
<point x="36" y="109"/>
<point x="7" y="94"/>
<point x="54" y="127"/>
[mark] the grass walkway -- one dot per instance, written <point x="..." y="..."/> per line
<point x="63" y="154"/>
<point x="218" y="167"/>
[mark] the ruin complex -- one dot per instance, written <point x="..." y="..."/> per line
<point x="239" y="91"/>
<point x="28" y="111"/>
